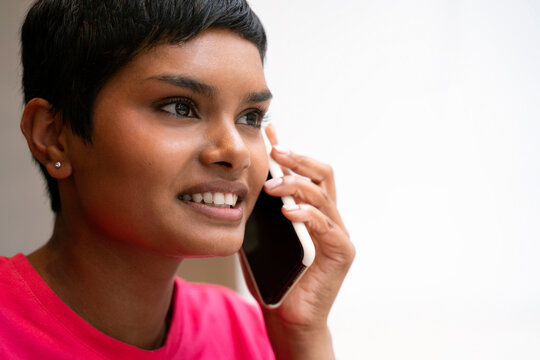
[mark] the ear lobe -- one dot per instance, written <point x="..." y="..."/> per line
<point x="44" y="133"/>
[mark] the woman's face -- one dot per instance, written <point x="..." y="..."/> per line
<point x="178" y="123"/>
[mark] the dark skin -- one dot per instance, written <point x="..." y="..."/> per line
<point x="115" y="249"/>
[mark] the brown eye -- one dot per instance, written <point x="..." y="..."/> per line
<point x="252" y="119"/>
<point x="179" y="108"/>
<point x="182" y="109"/>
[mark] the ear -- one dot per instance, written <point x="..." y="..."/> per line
<point x="43" y="129"/>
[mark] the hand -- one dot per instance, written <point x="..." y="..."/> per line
<point x="298" y="328"/>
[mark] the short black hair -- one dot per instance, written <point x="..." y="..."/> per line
<point x="70" y="48"/>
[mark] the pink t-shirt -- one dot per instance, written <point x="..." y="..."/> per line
<point x="208" y="322"/>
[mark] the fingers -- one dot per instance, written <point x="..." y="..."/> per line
<point x="319" y="173"/>
<point x="330" y="239"/>
<point x="318" y="211"/>
<point x="304" y="191"/>
<point x="271" y="134"/>
<point x="272" y="138"/>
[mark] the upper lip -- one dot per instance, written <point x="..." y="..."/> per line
<point x="223" y="186"/>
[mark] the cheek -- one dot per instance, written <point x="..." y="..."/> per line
<point x="258" y="170"/>
<point x="259" y="158"/>
<point x="261" y="163"/>
<point x="141" y="148"/>
<point x="132" y="161"/>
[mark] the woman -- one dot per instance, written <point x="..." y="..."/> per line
<point x="131" y="106"/>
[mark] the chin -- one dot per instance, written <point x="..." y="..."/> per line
<point x="219" y="245"/>
<point x="226" y="246"/>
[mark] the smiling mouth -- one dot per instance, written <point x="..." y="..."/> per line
<point x="215" y="199"/>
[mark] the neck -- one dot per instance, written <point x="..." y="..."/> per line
<point x="120" y="289"/>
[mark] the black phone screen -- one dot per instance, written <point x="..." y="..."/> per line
<point x="272" y="249"/>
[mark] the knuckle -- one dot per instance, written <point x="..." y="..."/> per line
<point x="294" y="167"/>
<point x="346" y="256"/>
<point x="344" y="246"/>
<point x="291" y="179"/>
<point x="300" y="159"/>
<point x="293" y="183"/>
<point x="351" y="252"/>
<point x="328" y="171"/>
<point x="301" y="162"/>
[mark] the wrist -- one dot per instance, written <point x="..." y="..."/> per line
<point x="291" y="341"/>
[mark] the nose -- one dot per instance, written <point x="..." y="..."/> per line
<point x="225" y="147"/>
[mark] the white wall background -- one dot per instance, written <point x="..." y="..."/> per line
<point x="429" y="112"/>
<point x="25" y="219"/>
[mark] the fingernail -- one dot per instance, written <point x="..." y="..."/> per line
<point x="272" y="183"/>
<point x="281" y="149"/>
<point x="292" y="207"/>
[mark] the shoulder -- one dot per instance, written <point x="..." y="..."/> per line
<point x="15" y="279"/>
<point x="8" y="269"/>
<point x="4" y="261"/>
<point x="6" y="273"/>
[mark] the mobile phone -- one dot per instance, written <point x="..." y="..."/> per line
<point x="276" y="251"/>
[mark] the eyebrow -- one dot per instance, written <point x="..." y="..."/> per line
<point x="208" y="90"/>
<point x="186" y="82"/>
<point x="259" y="96"/>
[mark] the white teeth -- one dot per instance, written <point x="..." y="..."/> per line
<point x="207" y="196"/>
<point x="218" y="199"/>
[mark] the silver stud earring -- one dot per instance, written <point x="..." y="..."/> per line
<point x="58" y="165"/>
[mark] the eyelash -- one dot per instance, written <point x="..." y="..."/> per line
<point x="261" y="113"/>
<point x="179" y="100"/>
<point x="262" y="117"/>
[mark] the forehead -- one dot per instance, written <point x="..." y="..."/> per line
<point x="216" y="56"/>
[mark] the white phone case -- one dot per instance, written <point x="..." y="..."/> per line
<point x="299" y="227"/>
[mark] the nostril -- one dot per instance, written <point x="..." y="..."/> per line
<point x="224" y="163"/>
<point x="226" y="150"/>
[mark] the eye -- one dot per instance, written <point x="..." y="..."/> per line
<point x="254" y="118"/>
<point x="179" y="107"/>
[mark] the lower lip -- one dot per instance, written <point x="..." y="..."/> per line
<point x="228" y="214"/>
